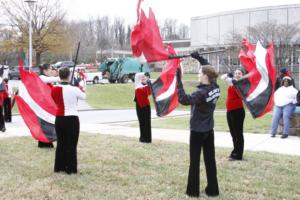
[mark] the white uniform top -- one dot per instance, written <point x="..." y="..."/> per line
<point x="285" y="95"/>
<point x="66" y="98"/>
<point x="49" y="79"/>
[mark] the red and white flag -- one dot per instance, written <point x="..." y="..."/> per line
<point x="146" y="42"/>
<point x="257" y="89"/>
<point x="164" y="89"/>
<point x="36" y="106"/>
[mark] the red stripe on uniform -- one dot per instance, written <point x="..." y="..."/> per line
<point x="57" y="95"/>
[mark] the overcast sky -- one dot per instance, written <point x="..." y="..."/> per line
<point x="182" y="10"/>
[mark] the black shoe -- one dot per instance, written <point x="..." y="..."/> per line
<point x="190" y="194"/>
<point x="234" y="158"/>
<point x="3" y="129"/>
<point x="284" y="136"/>
<point x="273" y="135"/>
<point x="212" y="193"/>
<point x="145" y="140"/>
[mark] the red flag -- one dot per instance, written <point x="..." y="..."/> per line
<point x="36" y="106"/>
<point x="146" y="40"/>
<point x="258" y="89"/>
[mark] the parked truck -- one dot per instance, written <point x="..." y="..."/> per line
<point x="122" y="70"/>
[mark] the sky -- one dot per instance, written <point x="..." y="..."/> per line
<point x="181" y="10"/>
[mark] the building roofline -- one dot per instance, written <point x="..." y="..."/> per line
<point x="246" y="10"/>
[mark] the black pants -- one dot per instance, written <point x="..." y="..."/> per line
<point x="67" y="131"/>
<point x="203" y="141"/>
<point x="235" y="120"/>
<point x="2" y="123"/>
<point x="7" y="109"/>
<point x="144" y="117"/>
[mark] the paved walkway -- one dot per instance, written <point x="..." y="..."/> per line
<point x="100" y="122"/>
<point x="253" y="142"/>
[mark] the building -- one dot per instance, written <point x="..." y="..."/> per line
<point x="217" y="31"/>
<point x="211" y="30"/>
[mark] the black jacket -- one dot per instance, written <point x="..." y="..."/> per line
<point x="203" y="103"/>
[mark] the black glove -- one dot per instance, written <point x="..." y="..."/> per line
<point x="230" y="75"/>
<point x="178" y="76"/>
<point x="202" y="60"/>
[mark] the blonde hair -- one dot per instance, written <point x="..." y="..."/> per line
<point x="211" y="73"/>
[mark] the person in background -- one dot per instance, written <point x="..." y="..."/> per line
<point x="282" y="73"/>
<point x="203" y="103"/>
<point x="143" y="110"/>
<point x="67" y="125"/>
<point x="235" y="115"/>
<point x="285" y="99"/>
<point x="7" y="101"/>
<point x="2" y="95"/>
<point x="49" y="76"/>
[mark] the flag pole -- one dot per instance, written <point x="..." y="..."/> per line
<point x="75" y="63"/>
<point x="200" y="53"/>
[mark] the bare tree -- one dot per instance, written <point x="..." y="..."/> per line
<point x="283" y="37"/>
<point x="102" y="33"/>
<point x="84" y="32"/>
<point x="128" y="38"/>
<point x="49" y="28"/>
<point x="183" y="31"/>
<point x="168" y="31"/>
<point x="119" y="32"/>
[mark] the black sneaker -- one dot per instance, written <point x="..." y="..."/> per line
<point x="284" y="136"/>
<point x="273" y="135"/>
<point x="230" y="158"/>
<point x="212" y="193"/>
<point x="3" y="129"/>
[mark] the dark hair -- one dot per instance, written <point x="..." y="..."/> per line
<point x="241" y="70"/>
<point x="64" y="73"/>
<point x="210" y="72"/>
<point x="147" y="74"/>
<point x="283" y="70"/>
<point x="43" y="67"/>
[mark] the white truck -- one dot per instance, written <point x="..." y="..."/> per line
<point x="92" y="76"/>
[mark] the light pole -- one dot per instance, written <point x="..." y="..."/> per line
<point x="30" y="3"/>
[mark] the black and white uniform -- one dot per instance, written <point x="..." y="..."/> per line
<point x="203" y="103"/>
<point x="67" y="126"/>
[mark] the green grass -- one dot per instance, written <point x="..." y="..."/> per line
<point x="122" y="168"/>
<point x="120" y="96"/>
<point x="260" y="125"/>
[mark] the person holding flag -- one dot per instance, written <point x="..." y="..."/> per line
<point x="67" y="125"/>
<point x="2" y="95"/>
<point x="143" y="110"/>
<point x="203" y="103"/>
<point x="7" y="106"/>
<point x="235" y="114"/>
<point x="48" y="76"/>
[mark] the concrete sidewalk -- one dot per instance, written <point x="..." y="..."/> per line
<point x="103" y="122"/>
<point x="253" y="142"/>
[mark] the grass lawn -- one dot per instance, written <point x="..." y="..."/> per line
<point x="260" y="125"/>
<point x="121" y="95"/>
<point x="122" y="168"/>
